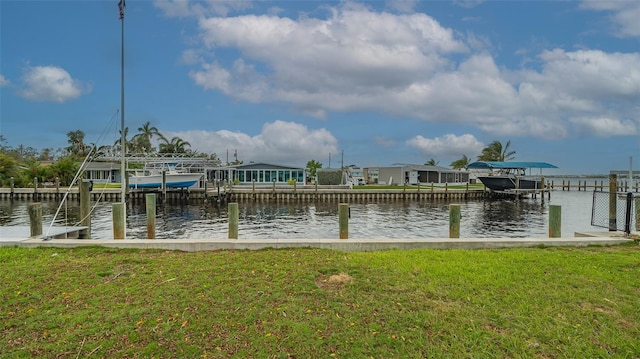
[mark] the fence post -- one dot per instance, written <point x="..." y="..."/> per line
<point x="85" y="210"/>
<point x="117" y="214"/>
<point x="613" y="206"/>
<point x="35" y="219"/>
<point x="555" y="221"/>
<point x="150" y="206"/>
<point x="343" y="220"/>
<point x="454" y="221"/>
<point x="13" y="186"/>
<point x="233" y="220"/>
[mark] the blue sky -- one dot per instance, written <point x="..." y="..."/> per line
<point x="289" y="81"/>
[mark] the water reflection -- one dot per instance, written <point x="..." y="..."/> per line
<point x="500" y="218"/>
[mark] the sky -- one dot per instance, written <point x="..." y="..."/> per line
<point x="365" y="83"/>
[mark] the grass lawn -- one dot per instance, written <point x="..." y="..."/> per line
<point x="312" y="303"/>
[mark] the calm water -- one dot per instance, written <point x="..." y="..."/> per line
<point x="501" y="218"/>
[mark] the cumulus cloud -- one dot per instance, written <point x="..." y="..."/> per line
<point x="50" y="84"/>
<point x="605" y="126"/>
<point x="410" y="66"/>
<point x="3" y="81"/>
<point x="447" y="146"/>
<point x="183" y="8"/>
<point x="624" y="15"/>
<point x="348" y="61"/>
<point x="279" y="141"/>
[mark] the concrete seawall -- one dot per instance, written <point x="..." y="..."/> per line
<point x="194" y="245"/>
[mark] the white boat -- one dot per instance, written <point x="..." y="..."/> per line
<point x="151" y="176"/>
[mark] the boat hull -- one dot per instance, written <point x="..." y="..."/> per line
<point x="507" y="183"/>
<point x="176" y="180"/>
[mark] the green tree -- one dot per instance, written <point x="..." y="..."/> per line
<point x="65" y="169"/>
<point x="76" y="146"/>
<point x="175" y="145"/>
<point x="313" y="167"/>
<point x="432" y="162"/>
<point x="116" y="144"/>
<point x="497" y="152"/>
<point x="8" y="169"/>
<point x="460" y="164"/>
<point x="143" y="138"/>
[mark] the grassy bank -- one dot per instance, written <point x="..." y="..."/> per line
<point x="309" y="303"/>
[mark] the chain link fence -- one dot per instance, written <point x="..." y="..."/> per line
<point x="603" y="215"/>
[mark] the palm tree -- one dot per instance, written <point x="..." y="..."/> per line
<point x="76" y="143"/>
<point x="497" y="152"/>
<point x="460" y="164"/>
<point x="116" y="144"/>
<point x="432" y="162"/>
<point x="144" y="137"/>
<point x="176" y="145"/>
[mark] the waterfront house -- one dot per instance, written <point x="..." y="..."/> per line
<point x="265" y="173"/>
<point x="414" y="174"/>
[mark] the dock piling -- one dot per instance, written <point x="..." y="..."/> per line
<point x="555" y="221"/>
<point x="118" y="220"/>
<point x="35" y="219"/>
<point x="233" y="220"/>
<point x="85" y="210"/>
<point x="150" y="206"/>
<point x="343" y="220"/>
<point x="454" y="221"/>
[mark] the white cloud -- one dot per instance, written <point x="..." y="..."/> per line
<point x="605" y="127"/>
<point x="184" y="8"/>
<point x="409" y="66"/>
<point x="279" y="141"/>
<point x="347" y="61"/>
<point x="51" y="83"/>
<point x="384" y="142"/>
<point x="624" y="15"/>
<point x="403" y="6"/>
<point x="3" y="81"/>
<point x="447" y="146"/>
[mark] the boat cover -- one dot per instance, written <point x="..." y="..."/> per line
<point x="509" y="165"/>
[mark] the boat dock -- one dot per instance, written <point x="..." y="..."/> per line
<point x="56" y="232"/>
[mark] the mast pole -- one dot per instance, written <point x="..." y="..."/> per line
<point x="123" y="166"/>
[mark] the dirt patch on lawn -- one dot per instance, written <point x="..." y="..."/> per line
<point x="333" y="282"/>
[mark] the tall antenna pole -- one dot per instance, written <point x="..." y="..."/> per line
<point x="123" y="144"/>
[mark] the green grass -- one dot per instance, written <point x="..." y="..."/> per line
<point x="105" y="185"/>
<point x="311" y="303"/>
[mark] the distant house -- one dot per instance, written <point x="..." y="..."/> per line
<point x="265" y="173"/>
<point x="414" y="174"/>
<point x="103" y="172"/>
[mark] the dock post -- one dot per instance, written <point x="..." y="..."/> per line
<point x="117" y="210"/>
<point x="637" y="209"/>
<point x="613" y="206"/>
<point x="35" y="188"/>
<point x="35" y="219"/>
<point x="13" y="188"/>
<point x="85" y="210"/>
<point x="555" y="221"/>
<point x="233" y="220"/>
<point x="343" y="220"/>
<point x="150" y="206"/>
<point x="454" y="221"/>
<point x="57" y="188"/>
<point x="164" y="185"/>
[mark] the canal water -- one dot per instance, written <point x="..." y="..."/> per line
<point x="308" y="220"/>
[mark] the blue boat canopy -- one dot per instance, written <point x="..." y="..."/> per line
<point x="509" y="165"/>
